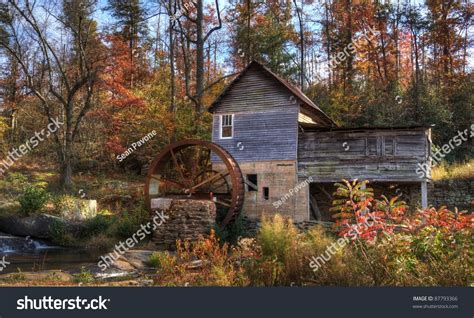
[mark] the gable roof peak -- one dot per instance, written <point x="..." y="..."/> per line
<point x="295" y="91"/>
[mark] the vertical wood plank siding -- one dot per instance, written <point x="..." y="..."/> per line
<point x="376" y="155"/>
<point x="265" y="120"/>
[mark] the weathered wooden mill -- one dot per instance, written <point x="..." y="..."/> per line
<point x="274" y="151"/>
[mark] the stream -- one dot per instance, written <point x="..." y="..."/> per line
<point x="26" y="254"/>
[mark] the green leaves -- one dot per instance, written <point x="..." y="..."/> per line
<point x="33" y="199"/>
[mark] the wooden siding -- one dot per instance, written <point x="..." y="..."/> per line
<point x="256" y="91"/>
<point x="261" y="136"/>
<point x="265" y="119"/>
<point x="375" y="155"/>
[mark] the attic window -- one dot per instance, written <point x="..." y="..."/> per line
<point x="227" y="126"/>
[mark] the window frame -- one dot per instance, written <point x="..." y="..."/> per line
<point x="248" y="187"/>
<point x="221" y="121"/>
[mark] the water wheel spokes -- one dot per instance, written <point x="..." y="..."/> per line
<point x="196" y="169"/>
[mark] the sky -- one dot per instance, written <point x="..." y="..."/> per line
<point x="104" y="19"/>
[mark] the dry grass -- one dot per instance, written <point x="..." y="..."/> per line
<point x="454" y="171"/>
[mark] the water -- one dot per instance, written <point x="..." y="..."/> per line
<point x="26" y="254"/>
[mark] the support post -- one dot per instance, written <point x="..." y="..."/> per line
<point x="424" y="194"/>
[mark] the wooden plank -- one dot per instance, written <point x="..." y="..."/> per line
<point x="366" y="154"/>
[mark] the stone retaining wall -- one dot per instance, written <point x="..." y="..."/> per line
<point x="188" y="219"/>
<point x="452" y="193"/>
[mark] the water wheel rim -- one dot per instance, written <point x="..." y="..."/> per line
<point x="235" y="174"/>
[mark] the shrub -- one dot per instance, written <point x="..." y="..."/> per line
<point x="277" y="238"/>
<point x="426" y="248"/>
<point x="128" y="223"/>
<point x="207" y="262"/>
<point x="335" y="271"/>
<point x="429" y="248"/>
<point x="84" y="276"/>
<point x="163" y="261"/>
<point x="63" y="203"/>
<point x="232" y="232"/>
<point x="33" y="199"/>
<point x="281" y="261"/>
<point x="446" y="255"/>
<point x="15" y="182"/>
<point x="100" y="242"/>
<point x="58" y="234"/>
<point x="97" y="225"/>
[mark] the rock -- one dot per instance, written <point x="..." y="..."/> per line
<point x="129" y="261"/>
<point x="47" y="275"/>
<point x="36" y="226"/>
<point x="16" y="244"/>
<point x="79" y="210"/>
<point x="123" y="265"/>
<point x="187" y="220"/>
<point x="139" y="259"/>
<point x="161" y="203"/>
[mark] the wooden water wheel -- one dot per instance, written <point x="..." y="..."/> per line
<point x="197" y="169"/>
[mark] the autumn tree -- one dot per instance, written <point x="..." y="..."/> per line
<point x="62" y="77"/>
<point x="131" y="26"/>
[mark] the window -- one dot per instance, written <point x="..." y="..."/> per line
<point x="266" y="193"/>
<point x="388" y="146"/>
<point x="227" y="126"/>
<point x="252" y="184"/>
<point x="372" y="146"/>
<point x="380" y="146"/>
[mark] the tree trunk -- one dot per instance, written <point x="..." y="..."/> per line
<point x="66" y="162"/>
<point x="199" y="55"/>
<point x="299" y="13"/>
<point x="171" y="59"/>
<point x="65" y="179"/>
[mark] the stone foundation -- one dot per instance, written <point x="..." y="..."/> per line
<point x="188" y="220"/>
<point x="287" y="194"/>
<point x="452" y="193"/>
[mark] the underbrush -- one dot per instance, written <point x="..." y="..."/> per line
<point x="453" y="171"/>
<point x="34" y="193"/>
<point x="374" y="242"/>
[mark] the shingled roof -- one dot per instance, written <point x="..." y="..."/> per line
<point x="307" y="103"/>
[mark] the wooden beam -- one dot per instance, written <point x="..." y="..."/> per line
<point x="315" y="208"/>
<point x="424" y="194"/>
<point x="251" y="184"/>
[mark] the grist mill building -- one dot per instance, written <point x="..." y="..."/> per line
<point x="291" y="153"/>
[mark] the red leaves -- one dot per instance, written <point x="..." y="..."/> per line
<point x="442" y="218"/>
<point x="361" y="216"/>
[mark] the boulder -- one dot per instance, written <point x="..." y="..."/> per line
<point x="139" y="259"/>
<point x="36" y="226"/>
<point x="79" y="210"/>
